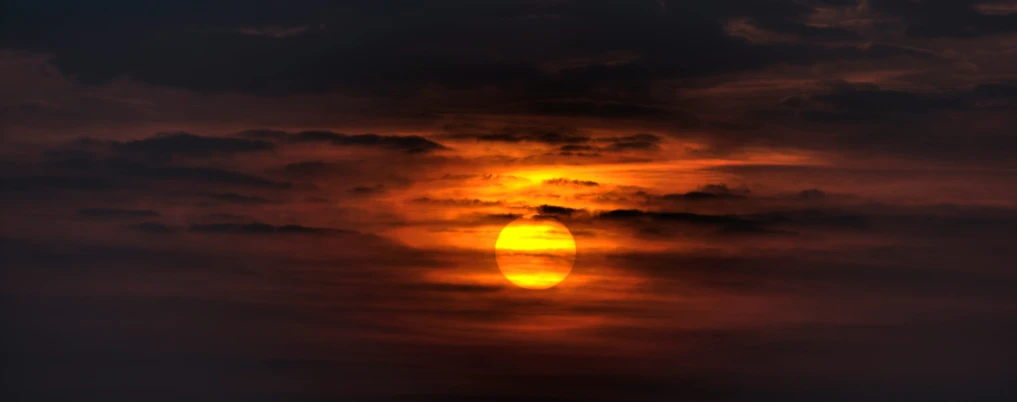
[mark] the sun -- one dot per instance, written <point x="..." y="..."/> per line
<point x="535" y="253"/>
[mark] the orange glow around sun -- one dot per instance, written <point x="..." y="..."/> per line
<point x="535" y="253"/>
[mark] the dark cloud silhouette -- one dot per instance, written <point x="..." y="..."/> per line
<point x="561" y="181"/>
<point x="684" y="217"/>
<point x="672" y="42"/>
<point x="576" y="147"/>
<point x="264" y="134"/>
<point x="995" y="91"/>
<point x="225" y="216"/>
<point x="580" y="154"/>
<point x="259" y="228"/>
<point x="550" y="136"/>
<point x="117" y="213"/>
<point x="186" y="144"/>
<point x="235" y="198"/>
<point x="56" y="182"/>
<point x="702" y="195"/>
<point x="811" y="194"/>
<point x="461" y="288"/>
<point x="558" y="211"/>
<point x="456" y="202"/>
<point x="905" y="123"/>
<point x="957" y="19"/>
<point x="70" y="159"/>
<point x="569" y="141"/>
<point x="797" y="361"/>
<point x="766" y="222"/>
<point x="154" y="228"/>
<point x="868" y="103"/>
<point x="468" y="221"/>
<point x="368" y="190"/>
<point x="503" y="217"/>
<point x="853" y="105"/>
<point x="133" y="169"/>
<point x="120" y="173"/>
<point x="830" y="218"/>
<point x="308" y="168"/>
<point x="636" y="142"/>
<point x="764" y="274"/>
<point x="409" y="144"/>
<point x="606" y="109"/>
<point x="709" y="192"/>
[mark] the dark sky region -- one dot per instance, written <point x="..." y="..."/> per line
<point x="808" y="200"/>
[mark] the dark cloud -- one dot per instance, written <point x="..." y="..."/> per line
<point x="683" y="217"/>
<point x="557" y="211"/>
<point x="550" y="136"/>
<point x="561" y="181"/>
<point x="410" y="144"/>
<point x="677" y="41"/>
<point x="958" y="19"/>
<point x="866" y="103"/>
<point x="775" y="221"/>
<point x="889" y="271"/>
<point x="56" y="182"/>
<point x="504" y="217"/>
<point x="568" y="141"/>
<point x="576" y="147"/>
<point x="852" y="105"/>
<point x="995" y="91"/>
<point x="828" y="218"/>
<point x="636" y="142"/>
<point x="228" y="217"/>
<point x="554" y="58"/>
<point x="709" y="192"/>
<point x="133" y="169"/>
<point x="185" y="144"/>
<point x="235" y="198"/>
<point x="580" y="154"/>
<point x="702" y="195"/>
<point x="782" y="24"/>
<point x="911" y="336"/>
<point x="368" y="190"/>
<point x="70" y="159"/>
<point x="461" y="288"/>
<point x="862" y="118"/>
<point x="309" y="168"/>
<point x="117" y="213"/>
<point x="456" y="202"/>
<point x="123" y="174"/>
<point x="606" y="109"/>
<point x="154" y="228"/>
<point x="259" y="228"/>
<point x="264" y="134"/>
<point x="811" y="194"/>
<point x="482" y="219"/>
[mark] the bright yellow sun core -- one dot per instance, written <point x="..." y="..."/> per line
<point x="535" y="253"/>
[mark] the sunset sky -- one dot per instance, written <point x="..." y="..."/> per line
<point x="786" y="200"/>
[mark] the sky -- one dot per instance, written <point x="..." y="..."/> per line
<point x="781" y="200"/>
